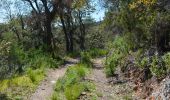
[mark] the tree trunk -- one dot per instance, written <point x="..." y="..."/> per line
<point x="70" y="33"/>
<point x="68" y="36"/>
<point x="82" y="31"/>
<point x="48" y="37"/>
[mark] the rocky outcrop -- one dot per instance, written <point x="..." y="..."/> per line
<point x="162" y="92"/>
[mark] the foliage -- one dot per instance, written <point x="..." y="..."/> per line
<point x="157" y="67"/>
<point x="142" y="24"/>
<point x="112" y="63"/>
<point x="140" y="60"/>
<point x="96" y="40"/>
<point x="72" y="84"/>
<point x="74" y="91"/>
<point x="32" y="63"/>
<point x="14" y="59"/>
<point x="21" y="86"/>
<point x="36" y="75"/>
<point x="166" y="59"/>
<point x="86" y="59"/>
<point x="160" y="65"/>
<point x="74" y="54"/>
<point x="38" y="59"/>
<point x="95" y="52"/>
<point x="118" y="49"/>
<point x="4" y="55"/>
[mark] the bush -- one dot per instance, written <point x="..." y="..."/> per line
<point x="166" y="59"/>
<point x="158" y="67"/>
<point x="74" y="54"/>
<point x="37" y="59"/>
<point x="95" y="52"/>
<point x="143" y="62"/>
<point x="74" y="91"/>
<point x="157" y="64"/>
<point x="118" y="49"/>
<point x="86" y="59"/>
<point x="96" y="40"/>
<point x="36" y="75"/>
<point x="121" y="44"/>
<point x="5" y="47"/>
<point x="20" y="86"/>
<point x="111" y="64"/>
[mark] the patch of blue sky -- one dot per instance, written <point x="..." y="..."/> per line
<point x="98" y="14"/>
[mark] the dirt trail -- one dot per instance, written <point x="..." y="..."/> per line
<point x="45" y="89"/>
<point x="120" y="90"/>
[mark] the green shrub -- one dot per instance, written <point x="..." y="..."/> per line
<point x="85" y="59"/>
<point x="74" y="91"/>
<point x="18" y="53"/>
<point x="157" y="66"/>
<point x="20" y="86"/>
<point x="166" y="59"/>
<point x="95" y="52"/>
<point x="73" y="54"/>
<point x="17" y="86"/>
<point x="60" y="85"/>
<point x="58" y="96"/>
<point x="36" y="75"/>
<point x="118" y="49"/>
<point x="111" y="63"/>
<point x="142" y="63"/>
<point x="37" y="59"/>
<point x="73" y="75"/>
<point x="72" y="84"/>
<point x="22" y="81"/>
<point x="121" y="44"/>
<point x="4" y="85"/>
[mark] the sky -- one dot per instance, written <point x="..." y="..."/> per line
<point x="97" y="15"/>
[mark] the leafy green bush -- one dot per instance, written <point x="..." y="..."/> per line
<point x="36" y="75"/>
<point x="74" y="91"/>
<point x="121" y="44"/>
<point x="58" y="96"/>
<point x="86" y="59"/>
<point x="5" y="47"/>
<point x="95" y="52"/>
<point x="20" y="86"/>
<point x="157" y="66"/>
<point x="166" y="59"/>
<point x="37" y="59"/>
<point x="96" y="40"/>
<point x="118" y="49"/>
<point x="73" y="54"/>
<point x="73" y="75"/>
<point x="112" y="63"/>
<point x="142" y="63"/>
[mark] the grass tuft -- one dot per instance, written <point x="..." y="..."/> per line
<point x="72" y="84"/>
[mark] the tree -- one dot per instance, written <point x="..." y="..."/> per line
<point x="65" y="14"/>
<point x="46" y="11"/>
<point x="83" y="9"/>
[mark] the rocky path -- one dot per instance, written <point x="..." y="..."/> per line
<point x="45" y="89"/>
<point x="105" y="90"/>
